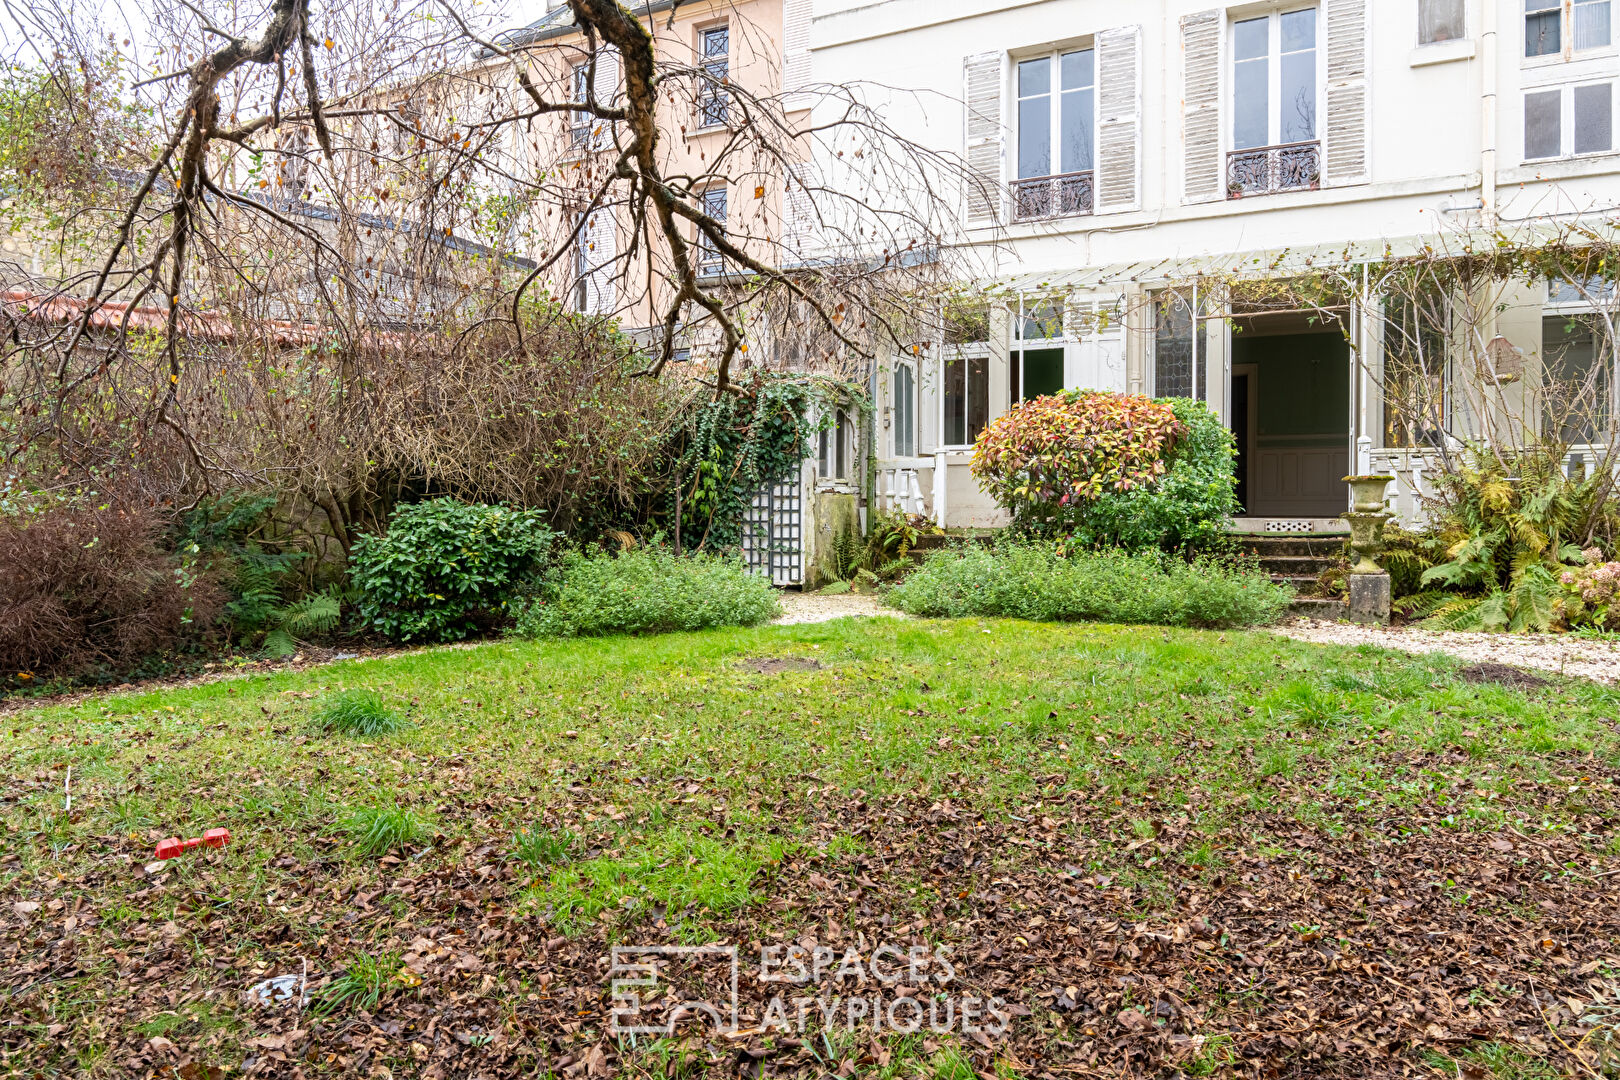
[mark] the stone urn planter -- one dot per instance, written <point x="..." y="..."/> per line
<point x="1367" y="492"/>
<point x="1367" y="520"/>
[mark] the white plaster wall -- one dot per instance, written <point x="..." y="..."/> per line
<point x="1425" y="130"/>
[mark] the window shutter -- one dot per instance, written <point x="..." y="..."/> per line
<point x="1118" y="117"/>
<point x="605" y="89"/>
<point x="600" y="237"/>
<point x="798" y="213"/>
<point x="1345" y="133"/>
<point x="981" y="95"/>
<point x="1201" y="106"/>
<point x="795" y="45"/>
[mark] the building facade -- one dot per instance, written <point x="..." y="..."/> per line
<point x="1129" y="156"/>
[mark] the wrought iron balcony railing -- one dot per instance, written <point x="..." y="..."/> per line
<point x="1295" y="166"/>
<point x="1063" y="195"/>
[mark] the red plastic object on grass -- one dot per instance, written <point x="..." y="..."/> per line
<point x="215" y="838"/>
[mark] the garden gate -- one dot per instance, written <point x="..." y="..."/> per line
<point x="773" y="531"/>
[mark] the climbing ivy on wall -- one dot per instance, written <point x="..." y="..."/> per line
<point x="735" y="443"/>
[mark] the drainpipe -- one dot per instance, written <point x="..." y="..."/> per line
<point x="1487" y="109"/>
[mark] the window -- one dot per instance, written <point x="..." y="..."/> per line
<point x="1567" y="120"/>
<point x="582" y="265"/>
<point x="967" y="393"/>
<point x="1036" y="372"/>
<point x="714" y="47"/>
<point x="1274" y="92"/>
<point x="1414" y="370"/>
<point x="714" y="205"/>
<point x="1576" y="361"/>
<point x="1439" y="20"/>
<point x="832" y="447"/>
<point x="904" y="416"/>
<point x="1057" y="108"/>
<point x="1544" y="30"/>
<point x="1176" y="367"/>
<point x="580" y="123"/>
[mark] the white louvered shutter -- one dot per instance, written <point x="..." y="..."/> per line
<point x="1344" y="148"/>
<point x="1119" y="111"/>
<point x="982" y="145"/>
<point x="601" y="236"/>
<point x="798" y="214"/>
<point x="606" y="88"/>
<point x="795" y="46"/>
<point x="1201" y="106"/>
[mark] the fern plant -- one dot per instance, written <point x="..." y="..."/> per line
<point x="1504" y="527"/>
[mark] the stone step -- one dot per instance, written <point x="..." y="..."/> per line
<point x="1310" y="608"/>
<point x="1322" y="545"/>
<point x="1300" y="582"/>
<point x="1296" y="565"/>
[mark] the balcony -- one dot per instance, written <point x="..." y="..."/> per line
<point x="1264" y="169"/>
<point x="1063" y="195"/>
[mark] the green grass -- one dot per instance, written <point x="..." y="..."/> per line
<point x="377" y="830"/>
<point x="359" y="987"/>
<point x="357" y="712"/>
<point x="605" y="783"/>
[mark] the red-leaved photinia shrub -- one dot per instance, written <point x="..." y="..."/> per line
<point x="1072" y="446"/>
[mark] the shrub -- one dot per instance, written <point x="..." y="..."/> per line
<point x="647" y="590"/>
<point x="92" y="589"/>
<point x="1046" y="455"/>
<point x="1113" y="470"/>
<point x="1503" y="529"/>
<point x="1589" y="593"/>
<point x="357" y="712"/>
<point x="1036" y="580"/>
<point x="445" y="569"/>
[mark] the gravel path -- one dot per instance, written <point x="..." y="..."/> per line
<point x="1584" y="657"/>
<point x="800" y="607"/>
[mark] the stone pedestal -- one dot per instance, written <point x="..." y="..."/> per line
<point x="1369" y="599"/>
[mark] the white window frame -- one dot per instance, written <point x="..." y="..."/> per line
<point x="580" y="123"/>
<point x="1566" y="119"/>
<point x="964" y="353"/>
<point x="1273" y="77"/>
<point x="582" y="265"/>
<point x="1566" y="34"/>
<point x="902" y="409"/>
<point x="1055" y="117"/>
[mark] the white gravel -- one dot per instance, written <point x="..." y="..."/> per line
<point x="1584" y="657"/>
<point x="800" y="607"/>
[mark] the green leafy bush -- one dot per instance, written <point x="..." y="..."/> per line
<point x="445" y="568"/>
<point x="645" y="591"/>
<point x="1036" y="580"/>
<point x="1113" y="470"/>
<point x="1044" y="456"/>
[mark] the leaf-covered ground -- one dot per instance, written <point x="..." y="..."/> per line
<point x="1167" y="851"/>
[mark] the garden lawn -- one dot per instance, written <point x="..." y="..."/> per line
<point x="1166" y="849"/>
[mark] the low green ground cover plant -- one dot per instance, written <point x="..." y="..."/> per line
<point x="645" y="591"/>
<point x="446" y="569"/>
<point x="377" y="830"/>
<point x="1038" y="580"/>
